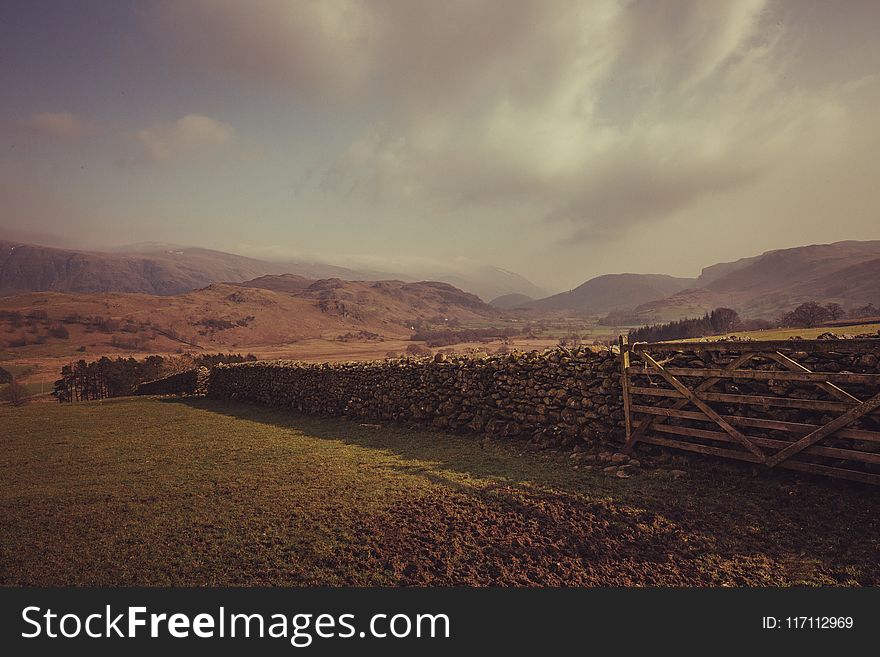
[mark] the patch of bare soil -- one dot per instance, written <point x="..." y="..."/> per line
<point x="511" y="536"/>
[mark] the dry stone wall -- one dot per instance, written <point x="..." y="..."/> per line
<point x="191" y="382"/>
<point x="557" y="398"/>
<point x="569" y="399"/>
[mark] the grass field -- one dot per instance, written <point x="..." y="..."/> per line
<point x="33" y="388"/>
<point x="804" y="333"/>
<point x="144" y="491"/>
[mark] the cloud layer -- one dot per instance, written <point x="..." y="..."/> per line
<point x="193" y="133"/>
<point x="602" y="114"/>
<point x="54" y="126"/>
<point x="557" y="138"/>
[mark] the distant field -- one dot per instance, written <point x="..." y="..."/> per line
<point x="805" y="333"/>
<point x="194" y="492"/>
<point x="31" y="388"/>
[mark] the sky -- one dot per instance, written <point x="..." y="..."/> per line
<point x="560" y="140"/>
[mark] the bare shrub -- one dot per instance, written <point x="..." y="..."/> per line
<point x="418" y="350"/>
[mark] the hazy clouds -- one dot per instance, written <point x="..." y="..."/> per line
<point x="559" y="136"/>
<point x="53" y="125"/>
<point x="602" y="114"/>
<point x="192" y="133"/>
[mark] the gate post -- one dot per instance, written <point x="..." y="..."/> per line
<point x="622" y="341"/>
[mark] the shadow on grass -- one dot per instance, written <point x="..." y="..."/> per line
<point x="516" y="461"/>
<point x="721" y="506"/>
<point x="465" y="454"/>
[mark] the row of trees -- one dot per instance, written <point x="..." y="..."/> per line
<point x="446" y="337"/>
<point x="811" y="314"/>
<point x="81" y="381"/>
<point x="724" y="320"/>
<point x="720" y="320"/>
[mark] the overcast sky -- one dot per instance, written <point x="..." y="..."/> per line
<point x="560" y="140"/>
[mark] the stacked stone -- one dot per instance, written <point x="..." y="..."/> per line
<point x="190" y="382"/>
<point x="558" y="397"/>
<point x="569" y="399"/>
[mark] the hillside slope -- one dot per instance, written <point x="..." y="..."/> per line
<point x="509" y="301"/>
<point x="33" y="268"/>
<point x="233" y="316"/>
<point x="613" y="291"/>
<point x="765" y="286"/>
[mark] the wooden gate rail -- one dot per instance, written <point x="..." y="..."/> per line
<point x="759" y="375"/>
<point x="852" y="453"/>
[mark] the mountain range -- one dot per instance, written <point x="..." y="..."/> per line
<point x="774" y="282"/>
<point x="167" y="269"/>
<point x="762" y="286"/>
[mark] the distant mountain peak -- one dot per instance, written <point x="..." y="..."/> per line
<point x="609" y="292"/>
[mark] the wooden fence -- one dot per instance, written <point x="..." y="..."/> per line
<point x="757" y="401"/>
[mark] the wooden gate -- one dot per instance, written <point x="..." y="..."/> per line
<point x="774" y="403"/>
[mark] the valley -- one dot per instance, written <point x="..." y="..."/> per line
<point x="141" y="301"/>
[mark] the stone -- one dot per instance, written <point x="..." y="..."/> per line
<point x="555" y="400"/>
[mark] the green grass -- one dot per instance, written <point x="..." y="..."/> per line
<point x="33" y="388"/>
<point x="143" y="491"/>
<point x="786" y="333"/>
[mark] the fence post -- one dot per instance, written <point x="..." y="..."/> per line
<point x="622" y="341"/>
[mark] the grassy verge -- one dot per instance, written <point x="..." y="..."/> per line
<point x="788" y="333"/>
<point x="196" y="492"/>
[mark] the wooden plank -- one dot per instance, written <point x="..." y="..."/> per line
<point x="827" y="386"/>
<point x="758" y="423"/>
<point x="674" y="411"/>
<point x="847" y="418"/>
<point x="705" y="385"/>
<point x="815" y="450"/>
<point x="766" y="375"/>
<point x="828" y="471"/>
<point x="624" y="384"/>
<point x="801" y="466"/>
<point x="701" y="449"/>
<point x="749" y="400"/>
<point x="696" y="401"/>
<point x="854" y="345"/>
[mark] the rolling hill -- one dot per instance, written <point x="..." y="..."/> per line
<point x="290" y="283"/>
<point x="767" y="285"/>
<point x="510" y="301"/>
<point x="265" y="311"/>
<point x="612" y="292"/>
